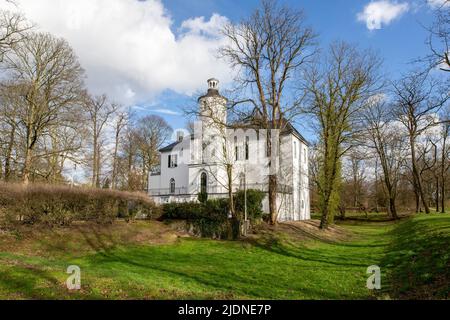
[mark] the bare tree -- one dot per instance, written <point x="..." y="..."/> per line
<point x="49" y="80"/>
<point x="129" y="158"/>
<point x="356" y="159"/>
<point x="98" y="111"/>
<point x="418" y="99"/>
<point x="9" y="120"/>
<point x="121" y="121"/>
<point x="390" y="146"/>
<point x="428" y="162"/>
<point x="338" y="88"/>
<point x="151" y="133"/>
<point x="269" y="49"/>
<point x="439" y="38"/>
<point x="13" y="29"/>
<point x="445" y="155"/>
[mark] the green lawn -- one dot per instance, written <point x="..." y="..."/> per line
<point x="413" y="255"/>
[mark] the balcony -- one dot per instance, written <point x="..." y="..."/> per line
<point x="218" y="190"/>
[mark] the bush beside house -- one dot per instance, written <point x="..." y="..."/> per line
<point x="210" y="218"/>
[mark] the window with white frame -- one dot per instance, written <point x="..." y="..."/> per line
<point x="173" y="161"/>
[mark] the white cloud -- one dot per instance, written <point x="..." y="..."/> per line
<point x="166" y="112"/>
<point x="128" y="47"/>
<point x="157" y="110"/>
<point x="379" y="13"/>
<point x="200" y="26"/>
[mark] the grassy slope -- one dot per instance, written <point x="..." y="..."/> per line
<point x="274" y="267"/>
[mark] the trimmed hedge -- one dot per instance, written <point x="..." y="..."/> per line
<point x="61" y="205"/>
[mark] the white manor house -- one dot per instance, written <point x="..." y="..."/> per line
<point x="219" y="154"/>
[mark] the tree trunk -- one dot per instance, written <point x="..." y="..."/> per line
<point x="392" y="208"/>
<point x="114" y="172"/>
<point x="30" y="141"/>
<point x="27" y="167"/>
<point x="325" y="213"/>
<point x="97" y="178"/>
<point x="390" y="184"/>
<point x="273" y="179"/>
<point x="9" y="154"/>
<point x="94" y="164"/>
<point x="417" y="178"/>
<point x="273" y="186"/>
<point x="437" y="194"/>
<point x="443" y="196"/>
<point x="230" y="190"/>
<point x="443" y="170"/>
<point x="417" y="200"/>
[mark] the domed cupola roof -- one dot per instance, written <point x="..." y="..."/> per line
<point x="213" y="89"/>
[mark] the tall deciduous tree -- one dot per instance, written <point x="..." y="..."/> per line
<point x="151" y="133"/>
<point x="121" y="122"/>
<point x="439" y="38"/>
<point x="390" y="145"/>
<point x="13" y="29"/>
<point x="339" y="87"/>
<point x="49" y="76"/>
<point x="269" y="49"/>
<point x="445" y="155"/>
<point x="99" y="110"/>
<point x="418" y="98"/>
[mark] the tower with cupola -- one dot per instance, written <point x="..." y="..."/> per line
<point x="213" y="120"/>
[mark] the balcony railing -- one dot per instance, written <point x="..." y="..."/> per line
<point x="219" y="190"/>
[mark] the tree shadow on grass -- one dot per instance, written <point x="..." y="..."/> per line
<point x="343" y="243"/>
<point x="223" y="279"/>
<point x="418" y="260"/>
<point x="337" y="254"/>
<point x="265" y="273"/>
<point x="30" y="282"/>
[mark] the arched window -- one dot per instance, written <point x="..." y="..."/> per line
<point x="172" y="186"/>
<point x="204" y="183"/>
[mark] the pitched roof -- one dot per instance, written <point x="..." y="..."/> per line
<point x="254" y="121"/>
<point x="170" y="147"/>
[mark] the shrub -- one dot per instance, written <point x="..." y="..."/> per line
<point x="254" y="203"/>
<point x="202" y="197"/>
<point x="209" y="219"/>
<point x="61" y="205"/>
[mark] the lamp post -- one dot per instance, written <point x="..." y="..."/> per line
<point x="245" y="202"/>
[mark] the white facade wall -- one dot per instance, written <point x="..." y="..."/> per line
<point x="194" y="159"/>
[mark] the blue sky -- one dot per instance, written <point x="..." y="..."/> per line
<point x="156" y="55"/>
<point x="398" y="43"/>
